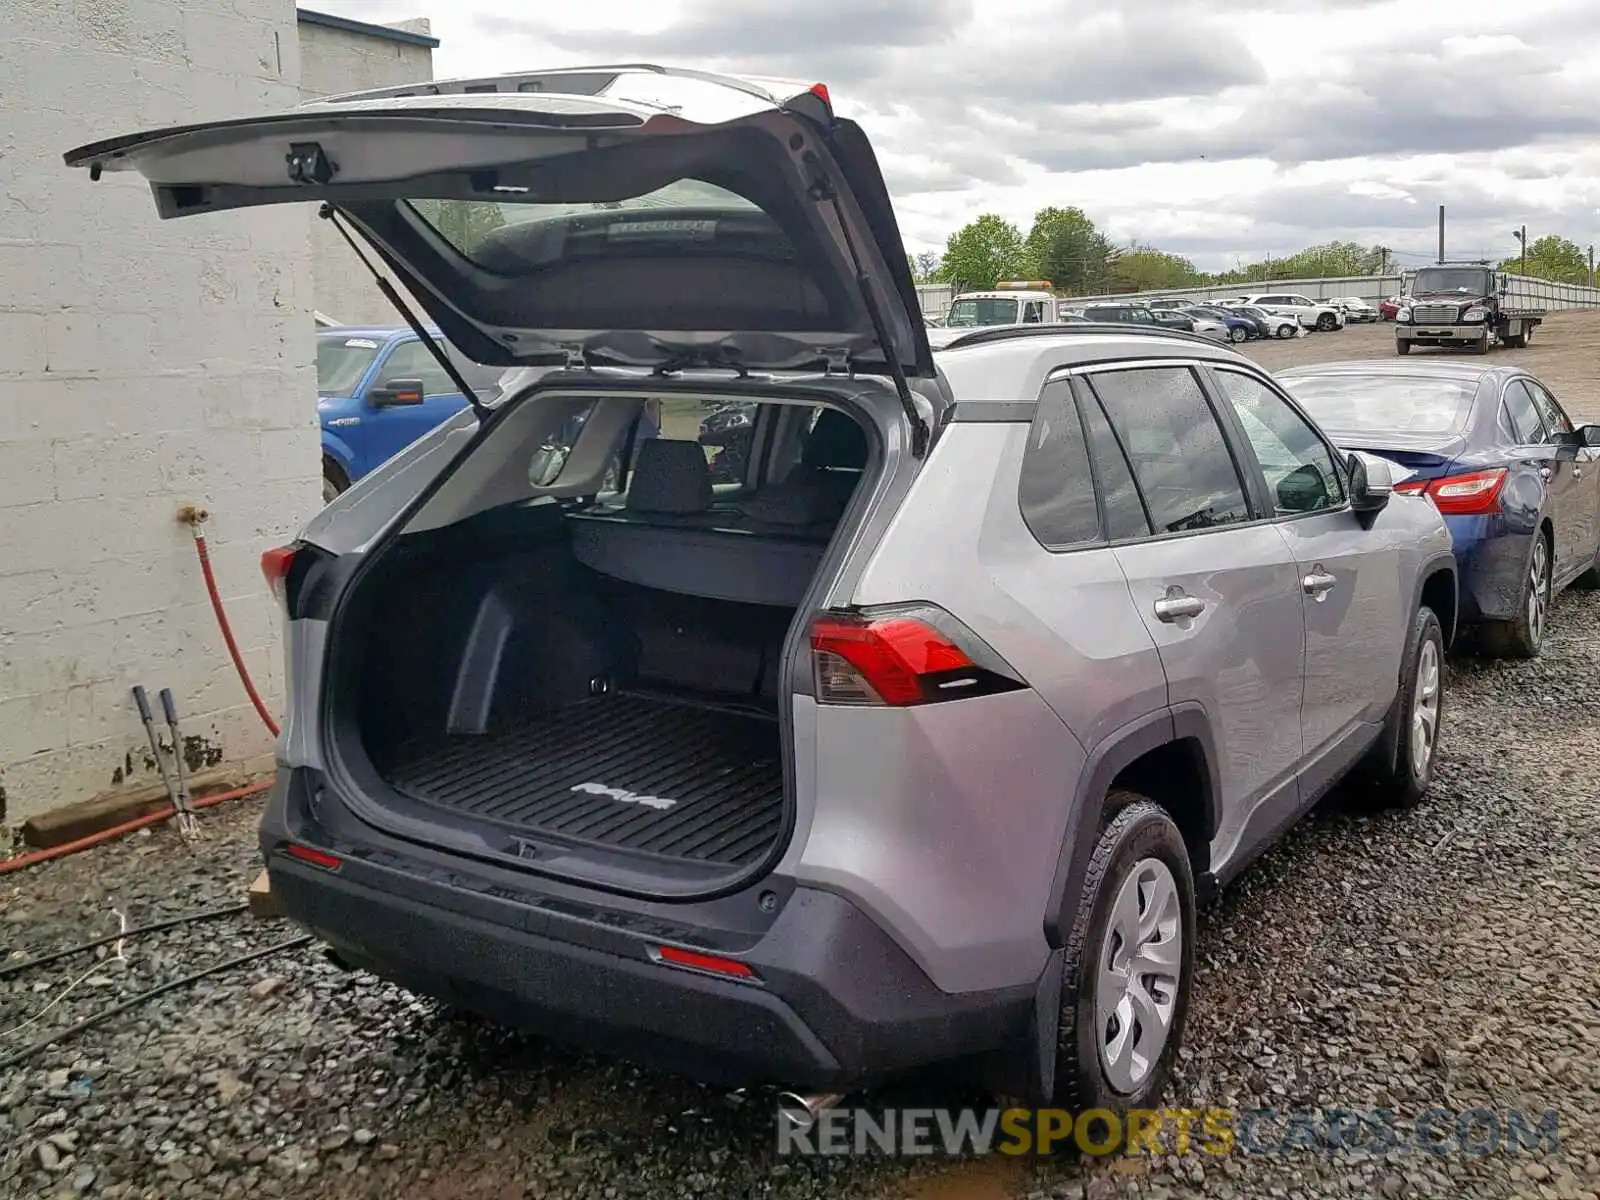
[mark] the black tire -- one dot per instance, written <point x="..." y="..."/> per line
<point x="1402" y="347"/>
<point x="334" y="480"/>
<point x="1134" y="833"/>
<point x="1327" y="322"/>
<point x="1523" y="636"/>
<point x="1236" y="333"/>
<point x="1484" y="344"/>
<point x="1287" y="331"/>
<point x="1516" y="341"/>
<point x="1395" y="776"/>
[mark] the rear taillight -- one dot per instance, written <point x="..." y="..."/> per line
<point x="1472" y="494"/>
<point x="275" y="564"/>
<point x="900" y="659"/>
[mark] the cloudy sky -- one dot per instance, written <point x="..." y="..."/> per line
<point x="1223" y="130"/>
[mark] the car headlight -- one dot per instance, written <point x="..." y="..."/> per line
<point x="1475" y="313"/>
<point x="1403" y="313"/>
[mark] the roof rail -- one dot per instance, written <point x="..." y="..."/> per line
<point x="536" y="81"/>
<point x="1006" y="333"/>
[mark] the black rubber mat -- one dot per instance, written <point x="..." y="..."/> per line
<point x="626" y="771"/>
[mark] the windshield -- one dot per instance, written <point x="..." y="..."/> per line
<point x="983" y="312"/>
<point x="341" y="362"/>
<point x="1464" y="281"/>
<point x="1392" y="404"/>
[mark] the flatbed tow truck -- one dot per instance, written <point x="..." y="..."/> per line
<point x="1465" y="305"/>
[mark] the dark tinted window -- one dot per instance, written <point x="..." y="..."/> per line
<point x="1179" y="456"/>
<point x="1525" y="422"/>
<point x="1119" y="497"/>
<point x="1299" y="467"/>
<point x="1056" y="491"/>
<point x="1555" y="421"/>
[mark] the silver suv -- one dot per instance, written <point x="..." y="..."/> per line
<point x="747" y="691"/>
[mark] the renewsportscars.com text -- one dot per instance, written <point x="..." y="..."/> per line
<point x="1212" y="1131"/>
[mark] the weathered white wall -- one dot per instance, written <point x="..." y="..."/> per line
<point x="143" y="364"/>
<point x="334" y="61"/>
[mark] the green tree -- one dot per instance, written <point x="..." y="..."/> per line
<point x="1554" y="258"/>
<point x="1145" y="269"/>
<point x="981" y="252"/>
<point x="1065" y="247"/>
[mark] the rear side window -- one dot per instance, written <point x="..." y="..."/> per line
<point x="1555" y="421"/>
<point x="1056" y="490"/>
<point x="1524" y="417"/>
<point x="1125" y="516"/>
<point x="1180" y="458"/>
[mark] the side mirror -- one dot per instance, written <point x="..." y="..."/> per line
<point x="1584" y="437"/>
<point x="396" y="392"/>
<point x="1371" y="484"/>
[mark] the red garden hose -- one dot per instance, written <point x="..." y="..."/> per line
<point x="227" y="630"/>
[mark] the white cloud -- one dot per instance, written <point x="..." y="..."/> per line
<point x="1220" y="131"/>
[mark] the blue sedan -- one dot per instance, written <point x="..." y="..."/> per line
<point x="1518" y="483"/>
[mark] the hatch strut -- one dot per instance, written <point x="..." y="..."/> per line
<point x="824" y="189"/>
<point x="328" y="213"/>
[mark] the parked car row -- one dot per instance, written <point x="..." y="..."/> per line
<point x="916" y="733"/>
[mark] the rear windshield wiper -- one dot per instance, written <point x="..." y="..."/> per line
<point x="330" y="214"/>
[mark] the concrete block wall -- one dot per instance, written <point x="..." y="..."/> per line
<point x="333" y="61"/>
<point x="143" y="364"/>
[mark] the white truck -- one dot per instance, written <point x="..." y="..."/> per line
<point x="1020" y="302"/>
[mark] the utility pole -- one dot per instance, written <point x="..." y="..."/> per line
<point x="1522" y="236"/>
<point x="1591" y="264"/>
<point x="1383" y="260"/>
<point x="1441" y="233"/>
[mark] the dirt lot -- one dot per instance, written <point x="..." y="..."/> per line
<point x="1565" y="354"/>
<point x="1443" y="957"/>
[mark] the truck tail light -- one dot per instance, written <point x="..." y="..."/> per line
<point x="1472" y="494"/>
<point x="901" y="658"/>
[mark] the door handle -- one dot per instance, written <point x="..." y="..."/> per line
<point x="1177" y="608"/>
<point x="1318" y="584"/>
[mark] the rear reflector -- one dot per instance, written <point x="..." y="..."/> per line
<point x="275" y="564"/>
<point x="897" y="660"/>
<point x="694" y="960"/>
<point x="316" y="858"/>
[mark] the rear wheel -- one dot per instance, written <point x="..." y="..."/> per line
<point x="1236" y="333"/>
<point x="1400" y="766"/>
<point x="334" y="480"/>
<point x="1523" y="636"/>
<point x="1129" y="962"/>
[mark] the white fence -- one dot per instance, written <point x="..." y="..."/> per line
<point x="936" y="297"/>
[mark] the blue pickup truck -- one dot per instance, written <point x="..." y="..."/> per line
<point x="379" y="390"/>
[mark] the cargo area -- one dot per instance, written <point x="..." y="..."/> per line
<point x="602" y="675"/>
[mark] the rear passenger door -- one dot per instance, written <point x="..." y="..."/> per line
<point x="1215" y="585"/>
<point x="1349" y="576"/>
<point x="1579" y="520"/>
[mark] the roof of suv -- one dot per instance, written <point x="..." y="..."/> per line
<point x="1008" y="364"/>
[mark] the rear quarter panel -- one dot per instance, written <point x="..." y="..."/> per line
<point x="947" y="822"/>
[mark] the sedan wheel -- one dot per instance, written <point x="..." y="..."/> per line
<point x="1287" y="331"/>
<point x="1236" y="333"/>
<point x="1523" y="636"/>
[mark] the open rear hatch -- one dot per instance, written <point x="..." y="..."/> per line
<point x="628" y="731"/>
<point x="629" y="215"/>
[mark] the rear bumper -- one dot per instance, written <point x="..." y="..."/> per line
<point x="835" y="1003"/>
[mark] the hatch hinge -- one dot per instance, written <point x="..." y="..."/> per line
<point x="837" y="360"/>
<point x="577" y="359"/>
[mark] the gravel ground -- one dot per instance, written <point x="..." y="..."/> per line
<point x="1441" y="957"/>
